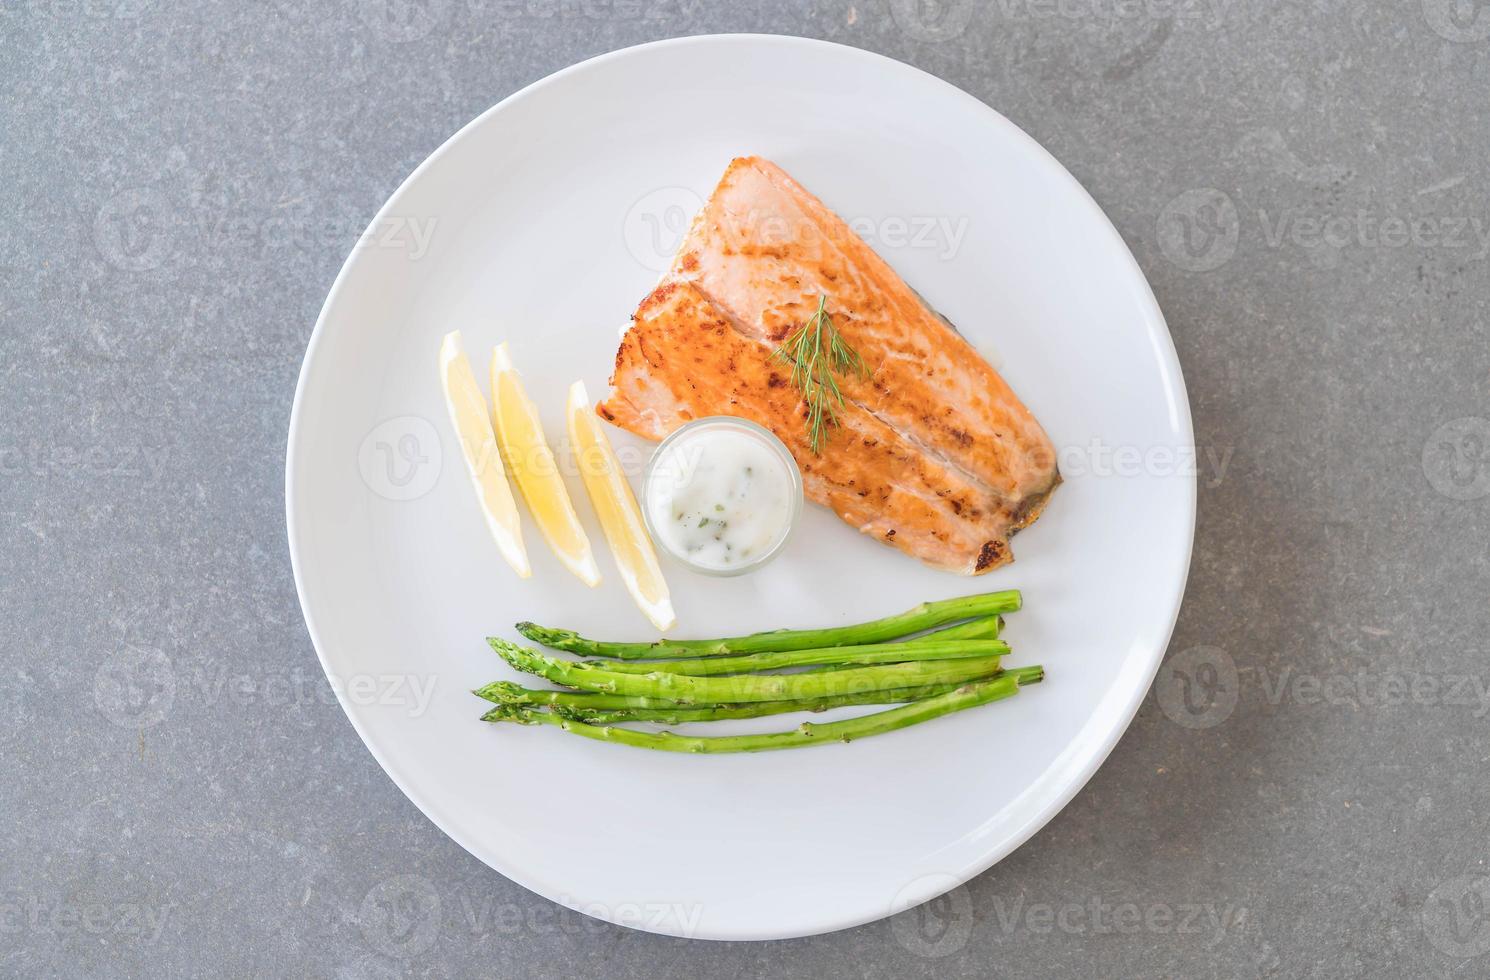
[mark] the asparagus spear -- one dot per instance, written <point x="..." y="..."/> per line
<point x="924" y="616"/>
<point x="679" y="714"/>
<point x="875" y="653"/>
<point x="748" y="687"/>
<point x="506" y="692"/>
<point x="968" y="695"/>
<point x="578" y="706"/>
<point x="982" y="628"/>
<point x="588" y="705"/>
<point x="758" y="709"/>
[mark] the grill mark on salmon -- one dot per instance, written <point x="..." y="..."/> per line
<point x="876" y="480"/>
<point x="934" y="455"/>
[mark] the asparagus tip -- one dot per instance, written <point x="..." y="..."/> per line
<point x="522" y="714"/>
<point x="501" y="692"/>
<point x="546" y="635"/>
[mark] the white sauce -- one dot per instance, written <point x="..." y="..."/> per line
<point x="720" y="498"/>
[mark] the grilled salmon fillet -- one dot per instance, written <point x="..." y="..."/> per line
<point x="934" y="454"/>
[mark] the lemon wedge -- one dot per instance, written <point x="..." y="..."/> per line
<point x="468" y="414"/>
<point x="620" y="517"/>
<point x="520" y="434"/>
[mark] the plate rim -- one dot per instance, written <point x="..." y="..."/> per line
<point x="1158" y="331"/>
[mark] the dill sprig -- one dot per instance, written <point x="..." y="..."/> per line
<point x="818" y="353"/>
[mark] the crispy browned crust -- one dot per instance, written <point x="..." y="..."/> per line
<point x="935" y="455"/>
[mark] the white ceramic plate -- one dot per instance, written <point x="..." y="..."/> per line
<point x="543" y="223"/>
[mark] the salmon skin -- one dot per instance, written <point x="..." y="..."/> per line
<point x="933" y="454"/>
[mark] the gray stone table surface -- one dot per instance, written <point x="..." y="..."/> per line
<point x="1303" y="793"/>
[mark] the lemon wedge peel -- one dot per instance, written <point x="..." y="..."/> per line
<point x="616" y="506"/>
<point x="528" y="457"/>
<point x="469" y="416"/>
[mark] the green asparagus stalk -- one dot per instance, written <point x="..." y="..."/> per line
<point x="758" y="709"/>
<point x="587" y="705"/>
<point x="506" y="692"/>
<point x="576" y="707"/>
<point x="985" y="628"/>
<point x="965" y="696"/>
<point x="922" y="617"/>
<point x="749" y="687"/>
<point x="982" y="628"/>
<point x="875" y="653"/>
<point x="678" y="715"/>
